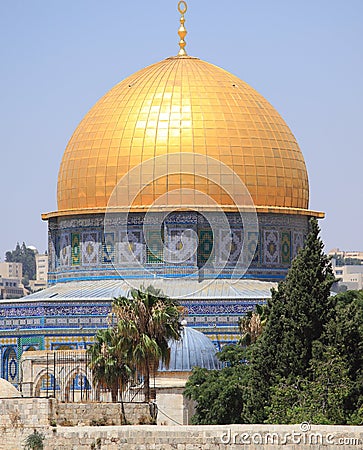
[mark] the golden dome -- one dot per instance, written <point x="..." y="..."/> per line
<point x="182" y="104"/>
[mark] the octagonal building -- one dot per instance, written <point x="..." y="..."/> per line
<point x="183" y="177"/>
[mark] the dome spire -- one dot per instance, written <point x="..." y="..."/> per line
<point x="182" y="8"/>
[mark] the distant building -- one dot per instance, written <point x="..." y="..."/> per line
<point x="346" y="256"/>
<point x="41" y="262"/>
<point x="10" y="288"/>
<point x="41" y="281"/>
<point x="11" y="274"/>
<point x="351" y="276"/>
<point x="11" y="270"/>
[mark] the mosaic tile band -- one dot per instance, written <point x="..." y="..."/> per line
<point x="80" y="249"/>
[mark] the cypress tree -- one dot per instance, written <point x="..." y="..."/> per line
<point x="298" y="311"/>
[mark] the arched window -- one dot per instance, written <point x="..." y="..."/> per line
<point x="10" y="365"/>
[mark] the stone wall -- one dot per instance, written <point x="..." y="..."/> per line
<point x="19" y="417"/>
<point x="100" y="413"/>
<point x="30" y="412"/>
<point x="173" y="407"/>
<point x="38" y="412"/>
<point x="240" y="437"/>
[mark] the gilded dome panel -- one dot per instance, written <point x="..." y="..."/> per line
<point x="190" y="106"/>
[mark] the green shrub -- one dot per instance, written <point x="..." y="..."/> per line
<point x="34" y="441"/>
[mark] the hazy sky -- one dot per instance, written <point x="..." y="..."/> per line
<point x="58" y="57"/>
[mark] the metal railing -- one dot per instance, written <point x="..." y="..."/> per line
<point x="67" y="377"/>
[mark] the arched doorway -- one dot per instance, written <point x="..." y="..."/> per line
<point x="46" y="386"/>
<point x="78" y="388"/>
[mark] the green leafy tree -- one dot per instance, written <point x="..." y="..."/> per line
<point x="306" y="365"/>
<point x="232" y="355"/>
<point x="345" y="333"/>
<point x="26" y="256"/>
<point x="145" y="324"/>
<point x="14" y="255"/>
<point x="317" y="398"/>
<point x="219" y="394"/>
<point x="331" y="392"/>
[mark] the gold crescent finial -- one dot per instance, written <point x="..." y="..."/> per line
<point x="182" y="8"/>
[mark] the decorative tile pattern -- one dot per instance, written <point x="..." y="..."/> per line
<point x="63" y="346"/>
<point x="130" y="255"/>
<point x="271" y="246"/>
<point x="205" y="246"/>
<point x="253" y="247"/>
<point x="298" y="243"/>
<point x="68" y="340"/>
<point x="76" y="250"/>
<point x="154" y="251"/>
<point x="90" y="248"/>
<point x="55" y="261"/>
<point x="230" y="244"/>
<point x="286" y="247"/>
<point x="182" y="245"/>
<point x="52" y="250"/>
<point x="64" y="250"/>
<point x="108" y="248"/>
<point x="222" y="308"/>
<point x="27" y="343"/>
<point x="130" y="247"/>
<point x="47" y="383"/>
<point x="80" y="382"/>
<point x="10" y="365"/>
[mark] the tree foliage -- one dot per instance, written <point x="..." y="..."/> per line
<point x="108" y="363"/>
<point x="345" y="333"/>
<point x="251" y="325"/>
<point x="316" y="398"/>
<point x="298" y="311"/>
<point x="26" y="256"/>
<point x="145" y="324"/>
<point x="304" y="364"/>
<point x="219" y="394"/>
<point x="142" y="326"/>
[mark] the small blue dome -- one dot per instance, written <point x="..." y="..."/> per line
<point x="194" y="349"/>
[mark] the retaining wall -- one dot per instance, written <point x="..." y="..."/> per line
<point x="38" y="412"/>
<point x="100" y="413"/>
<point x="145" y="437"/>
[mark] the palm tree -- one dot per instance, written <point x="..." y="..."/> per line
<point x="252" y="324"/>
<point x="108" y="365"/>
<point x="145" y="324"/>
